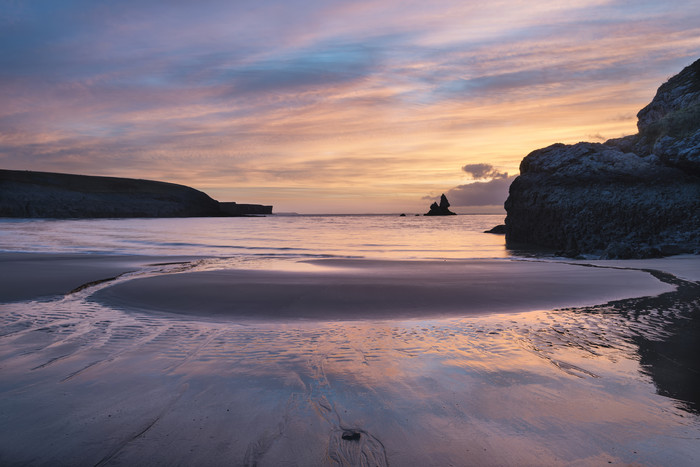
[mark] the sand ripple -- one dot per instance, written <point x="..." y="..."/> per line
<point x="589" y="385"/>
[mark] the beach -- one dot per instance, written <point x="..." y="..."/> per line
<point x="350" y="234"/>
<point x="142" y="360"/>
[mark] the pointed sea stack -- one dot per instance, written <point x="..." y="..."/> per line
<point x="440" y="209"/>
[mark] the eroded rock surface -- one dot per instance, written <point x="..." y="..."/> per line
<point x="631" y="197"/>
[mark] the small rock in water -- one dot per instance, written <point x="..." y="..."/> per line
<point x="499" y="229"/>
<point x="351" y="435"/>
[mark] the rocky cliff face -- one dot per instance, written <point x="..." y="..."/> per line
<point x="631" y="197"/>
<point x="52" y="195"/>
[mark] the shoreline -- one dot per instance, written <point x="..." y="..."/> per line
<point x="608" y="384"/>
<point x="46" y="276"/>
<point x="333" y="289"/>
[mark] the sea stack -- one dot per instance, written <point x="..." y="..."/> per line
<point x="631" y="197"/>
<point x="440" y="209"/>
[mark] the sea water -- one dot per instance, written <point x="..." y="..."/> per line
<point x="354" y="236"/>
<point x="85" y="384"/>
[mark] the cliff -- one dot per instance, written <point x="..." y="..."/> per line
<point x="238" y="209"/>
<point x="631" y="197"/>
<point x="53" y="195"/>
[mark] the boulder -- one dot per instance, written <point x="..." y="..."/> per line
<point x="631" y="197"/>
<point x="499" y="230"/>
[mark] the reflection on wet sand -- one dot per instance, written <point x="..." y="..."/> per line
<point x="667" y="339"/>
<point x="86" y="384"/>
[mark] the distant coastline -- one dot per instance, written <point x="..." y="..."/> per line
<point x="30" y="194"/>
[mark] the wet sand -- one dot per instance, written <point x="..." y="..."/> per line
<point x="165" y="366"/>
<point x="32" y="276"/>
<point x="686" y="267"/>
<point x="363" y="289"/>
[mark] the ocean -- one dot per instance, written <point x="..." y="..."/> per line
<point x="342" y="236"/>
<point x="190" y="342"/>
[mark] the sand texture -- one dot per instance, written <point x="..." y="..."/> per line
<point x="361" y="289"/>
<point x="160" y="366"/>
<point x="25" y="276"/>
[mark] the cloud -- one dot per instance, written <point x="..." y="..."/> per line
<point x="493" y="192"/>
<point x="332" y="95"/>
<point x="597" y="137"/>
<point x="320" y="68"/>
<point x="484" y="171"/>
<point x="491" y="189"/>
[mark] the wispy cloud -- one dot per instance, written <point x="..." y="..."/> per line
<point x="384" y="100"/>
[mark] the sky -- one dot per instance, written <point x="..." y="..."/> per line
<point x="328" y="106"/>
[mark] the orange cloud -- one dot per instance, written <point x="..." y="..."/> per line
<point x="370" y="106"/>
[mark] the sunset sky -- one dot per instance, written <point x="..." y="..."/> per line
<point x="328" y="106"/>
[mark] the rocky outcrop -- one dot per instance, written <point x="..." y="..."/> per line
<point x="238" y="209"/>
<point x="53" y="195"/>
<point x="441" y="209"/>
<point x="632" y="197"/>
<point x="498" y="230"/>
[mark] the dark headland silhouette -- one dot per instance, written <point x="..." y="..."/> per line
<point x="27" y="194"/>
<point x="441" y="209"/>
<point x="631" y="197"/>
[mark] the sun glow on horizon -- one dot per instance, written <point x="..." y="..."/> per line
<point x="349" y="107"/>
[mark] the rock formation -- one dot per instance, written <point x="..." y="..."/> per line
<point x="238" y="209"/>
<point x="440" y="209"/>
<point x="498" y="230"/>
<point x="54" y="195"/>
<point x="632" y="197"/>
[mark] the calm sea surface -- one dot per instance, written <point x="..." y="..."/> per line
<point x="373" y="236"/>
<point x="89" y="383"/>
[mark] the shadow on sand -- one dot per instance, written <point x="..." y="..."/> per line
<point x="666" y="330"/>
